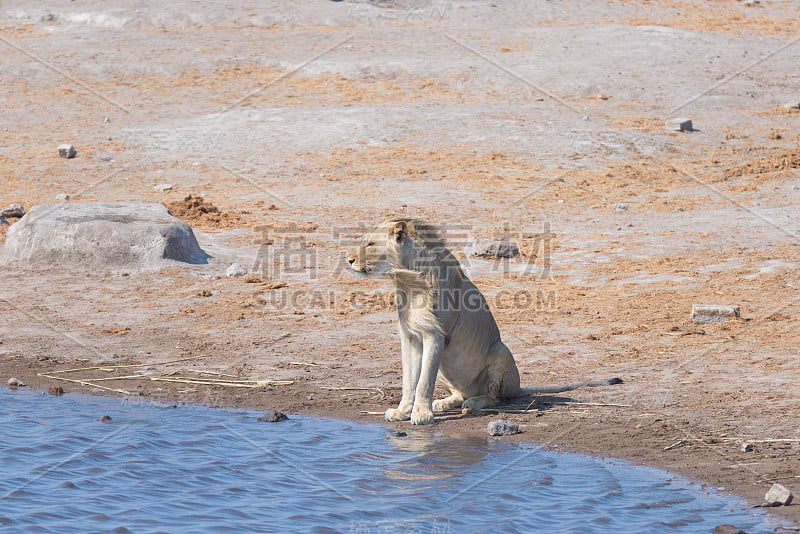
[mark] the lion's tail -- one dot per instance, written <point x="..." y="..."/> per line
<point x="524" y="392"/>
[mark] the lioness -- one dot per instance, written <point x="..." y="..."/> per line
<point x="445" y="325"/>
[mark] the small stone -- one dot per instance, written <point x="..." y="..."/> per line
<point x="490" y="248"/>
<point x="792" y="105"/>
<point x="713" y="313"/>
<point x="3" y="221"/>
<point x="778" y="496"/>
<point x="502" y="427"/>
<point x="272" y="416"/>
<point x="398" y="434"/>
<point x="56" y="390"/>
<point x="236" y="269"/>
<point x="747" y="447"/>
<point x="63" y="197"/>
<point x="104" y="419"/>
<point x="67" y="151"/>
<point x="621" y="206"/>
<point x="162" y="187"/>
<point x="680" y="124"/>
<point x="15" y="383"/>
<point x="728" y="529"/>
<point x="13" y="210"/>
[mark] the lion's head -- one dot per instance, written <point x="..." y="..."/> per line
<point x="379" y="249"/>
<point x="395" y="244"/>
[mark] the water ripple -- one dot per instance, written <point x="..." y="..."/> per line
<point x="154" y="469"/>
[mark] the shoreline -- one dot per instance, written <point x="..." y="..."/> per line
<point x="557" y="427"/>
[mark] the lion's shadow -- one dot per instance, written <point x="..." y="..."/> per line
<point x="521" y="406"/>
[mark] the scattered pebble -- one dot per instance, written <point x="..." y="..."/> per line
<point x="792" y="105"/>
<point x="62" y="196"/>
<point x="502" y="427"/>
<point x="56" y="390"/>
<point x="272" y="416"/>
<point x="67" y="151"/>
<point x="162" y="187"/>
<point x="621" y="206"/>
<point x="15" y="383"/>
<point x="105" y="419"/>
<point x="236" y="269"/>
<point x="728" y="529"/>
<point x="490" y="248"/>
<point x="13" y="210"/>
<point x="398" y="434"/>
<point x="778" y="496"/>
<point x="747" y="447"/>
<point x="680" y="124"/>
<point x="713" y="313"/>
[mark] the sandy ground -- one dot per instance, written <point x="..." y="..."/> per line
<point x="304" y="123"/>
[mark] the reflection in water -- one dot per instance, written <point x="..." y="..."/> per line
<point x="435" y="455"/>
<point x="195" y="469"/>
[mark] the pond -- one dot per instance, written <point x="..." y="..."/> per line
<point x="187" y="468"/>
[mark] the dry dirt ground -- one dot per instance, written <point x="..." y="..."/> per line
<point x="303" y="123"/>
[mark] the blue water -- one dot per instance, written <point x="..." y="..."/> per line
<point x="191" y="469"/>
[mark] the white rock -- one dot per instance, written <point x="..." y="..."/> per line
<point x="62" y="196"/>
<point x="713" y="313"/>
<point x="502" y="427"/>
<point x="621" y="206"/>
<point x="112" y="235"/>
<point x="67" y="151"/>
<point x="236" y="269"/>
<point x="778" y="496"/>
<point x="747" y="447"/>
<point x="680" y="124"/>
<point x="792" y="105"/>
<point x="15" y="383"/>
<point x="162" y="187"/>
<point x="490" y="248"/>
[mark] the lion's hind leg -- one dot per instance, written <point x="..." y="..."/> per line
<point x="479" y="402"/>
<point x="502" y="380"/>
<point x="448" y="403"/>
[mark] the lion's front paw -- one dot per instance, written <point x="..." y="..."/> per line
<point x="394" y="414"/>
<point x="421" y="417"/>
<point x="438" y="405"/>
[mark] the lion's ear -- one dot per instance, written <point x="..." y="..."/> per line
<point x="399" y="231"/>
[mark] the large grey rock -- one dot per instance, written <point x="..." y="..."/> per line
<point x="490" y="248"/>
<point x="113" y="235"/>
<point x="779" y="495"/>
<point x="502" y="427"/>
<point x="13" y="210"/>
<point x="713" y="313"/>
<point x="680" y="124"/>
<point x="235" y="269"/>
<point x="67" y="151"/>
